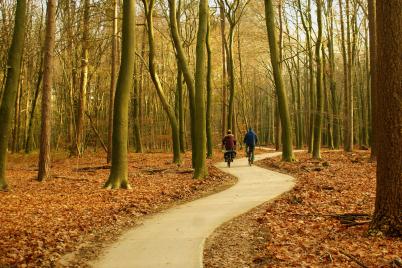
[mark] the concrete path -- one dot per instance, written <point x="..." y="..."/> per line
<point x="175" y="238"/>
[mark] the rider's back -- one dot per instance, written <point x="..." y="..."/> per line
<point x="229" y="141"/>
<point x="250" y="138"/>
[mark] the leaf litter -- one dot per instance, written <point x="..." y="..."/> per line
<point x="322" y="222"/>
<point x="67" y="219"/>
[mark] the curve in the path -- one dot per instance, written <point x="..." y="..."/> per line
<point x="175" y="238"/>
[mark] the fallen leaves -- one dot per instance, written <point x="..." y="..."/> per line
<point x="335" y="197"/>
<point x="303" y="228"/>
<point x="70" y="212"/>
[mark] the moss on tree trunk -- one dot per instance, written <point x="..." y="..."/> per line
<point x="287" y="151"/>
<point x="11" y="86"/>
<point x="118" y="177"/>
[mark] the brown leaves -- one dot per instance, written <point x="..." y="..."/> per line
<point x="43" y="221"/>
<point x="302" y="224"/>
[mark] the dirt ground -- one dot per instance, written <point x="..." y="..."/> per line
<point x="67" y="219"/>
<point x="306" y="227"/>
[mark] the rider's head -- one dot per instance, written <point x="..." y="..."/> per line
<point x="250" y="129"/>
<point x="229" y="131"/>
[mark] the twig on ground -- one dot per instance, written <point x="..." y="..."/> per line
<point x="91" y="168"/>
<point x="353" y="258"/>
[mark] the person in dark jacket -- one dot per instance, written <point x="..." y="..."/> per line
<point x="229" y="141"/>
<point x="250" y="139"/>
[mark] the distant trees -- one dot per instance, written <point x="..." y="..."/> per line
<point x="149" y="6"/>
<point x="327" y="65"/>
<point x="11" y="86"/>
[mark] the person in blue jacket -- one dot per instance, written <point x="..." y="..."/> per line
<point x="250" y="139"/>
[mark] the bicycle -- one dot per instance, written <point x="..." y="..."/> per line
<point x="250" y="156"/>
<point x="229" y="156"/>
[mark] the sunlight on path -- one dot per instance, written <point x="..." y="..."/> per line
<point x="175" y="238"/>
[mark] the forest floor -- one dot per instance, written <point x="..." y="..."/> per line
<point x="306" y="227"/>
<point x="71" y="213"/>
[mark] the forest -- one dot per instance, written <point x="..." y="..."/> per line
<point x="100" y="95"/>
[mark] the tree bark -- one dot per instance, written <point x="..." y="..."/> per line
<point x="332" y="82"/>
<point x="112" y="80"/>
<point x="188" y="78"/>
<point x="118" y="177"/>
<point x="287" y="151"/>
<point x="77" y="148"/>
<point x="224" y="69"/>
<point x="11" y="86"/>
<point x="48" y="66"/>
<point x="149" y="6"/>
<point x="373" y="75"/>
<point x="209" y="93"/>
<point x="200" y="169"/>
<point x="319" y="85"/>
<point x="307" y="25"/>
<point x="387" y="216"/>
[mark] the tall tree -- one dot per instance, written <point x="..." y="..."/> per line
<point x="77" y="148"/>
<point x="149" y="9"/>
<point x="387" y="216"/>
<point x="118" y="177"/>
<point x="307" y="25"/>
<point x="224" y="71"/>
<point x="332" y="83"/>
<point x="209" y="92"/>
<point x="319" y="85"/>
<point x="48" y="66"/>
<point x="349" y="134"/>
<point x="200" y="169"/>
<point x="373" y="75"/>
<point x="112" y="79"/>
<point x="233" y="12"/>
<point x="287" y="151"/>
<point x="184" y="67"/>
<point x="11" y="85"/>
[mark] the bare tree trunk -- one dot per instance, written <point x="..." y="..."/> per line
<point x="149" y="7"/>
<point x="15" y="132"/>
<point x="387" y="216"/>
<point x="118" y="177"/>
<point x="306" y="22"/>
<point x="332" y="83"/>
<point x="112" y="79"/>
<point x="209" y="93"/>
<point x="200" y="169"/>
<point x="287" y="151"/>
<point x="28" y="142"/>
<point x="11" y="86"/>
<point x="224" y="93"/>
<point x="319" y="83"/>
<point x="44" y="153"/>
<point x="188" y="78"/>
<point x="373" y="76"/>
<point x="77" y="149"/>
<point x="349" y="135"/>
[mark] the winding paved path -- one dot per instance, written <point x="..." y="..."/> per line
<point x="175" y="238"/>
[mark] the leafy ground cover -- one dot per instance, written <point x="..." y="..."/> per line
<point x="71" y="213"/>
<point x="322" y="222"/>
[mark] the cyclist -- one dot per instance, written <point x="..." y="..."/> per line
<point x="250" y="139"/>
<point x="229" y="142"/>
